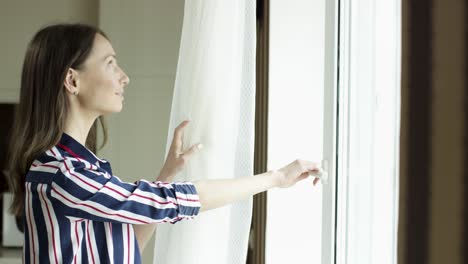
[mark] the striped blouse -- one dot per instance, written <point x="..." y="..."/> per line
<point x="77" y="211"/>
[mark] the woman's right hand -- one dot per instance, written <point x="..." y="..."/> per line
<point x="296" y="171"/>
<point x="177" y="157"/>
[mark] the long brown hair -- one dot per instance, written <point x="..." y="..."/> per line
<point x="41" y="113"/>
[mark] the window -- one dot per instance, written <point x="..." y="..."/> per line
<point x="334" y="95"/>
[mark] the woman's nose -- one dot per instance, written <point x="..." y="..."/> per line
<point x="125" y="79"/>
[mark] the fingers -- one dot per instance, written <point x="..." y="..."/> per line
<point x="178" y="134"/>
<point x="176" y="146"/>
<point x="192" y="150"/>
<point x="316" y="180"/>
<point x="316" y="172"/>
<point x="303" y="177"/>
<point x="311" y="166"/>
<point x="308" y="166"/>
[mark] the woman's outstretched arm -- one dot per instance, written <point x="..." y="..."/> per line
<point x="217" y="193"/>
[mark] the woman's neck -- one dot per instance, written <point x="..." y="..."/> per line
<point x="78" y="125"/>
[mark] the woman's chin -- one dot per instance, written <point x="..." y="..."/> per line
<point x="119" y="109"/>
<point x="116" y="109"/>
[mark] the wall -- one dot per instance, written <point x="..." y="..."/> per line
<point x="19" y="20"/>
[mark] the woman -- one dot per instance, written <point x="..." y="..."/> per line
<point x="74" y="210"/>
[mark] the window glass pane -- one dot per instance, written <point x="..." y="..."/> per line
<point x="297" y="32"/>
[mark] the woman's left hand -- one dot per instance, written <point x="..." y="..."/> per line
<point x="177" y="158"/>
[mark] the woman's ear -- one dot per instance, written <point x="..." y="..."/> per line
<point x="71" y="82"/>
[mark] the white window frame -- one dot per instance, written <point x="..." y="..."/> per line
<point x="352" y="32"/>
<point x="330" y="131"/>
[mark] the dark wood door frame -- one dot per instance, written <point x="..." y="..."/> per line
<point x="256" y="253"/>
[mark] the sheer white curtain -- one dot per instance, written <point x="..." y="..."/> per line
<point x="370" y="119"/>
<point x="214" y="88"/>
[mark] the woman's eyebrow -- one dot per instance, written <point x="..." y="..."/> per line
<point x="110" y="55"/>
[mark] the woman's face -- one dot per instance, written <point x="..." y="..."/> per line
<point x="101" y="80"/>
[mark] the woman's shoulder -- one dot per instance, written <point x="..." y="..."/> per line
<point x="58" y="158"/>
<point x="45" y="166"/>
<point x="57" y="161"/>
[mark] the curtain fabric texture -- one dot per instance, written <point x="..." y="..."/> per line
<point x="215" y="90"/>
